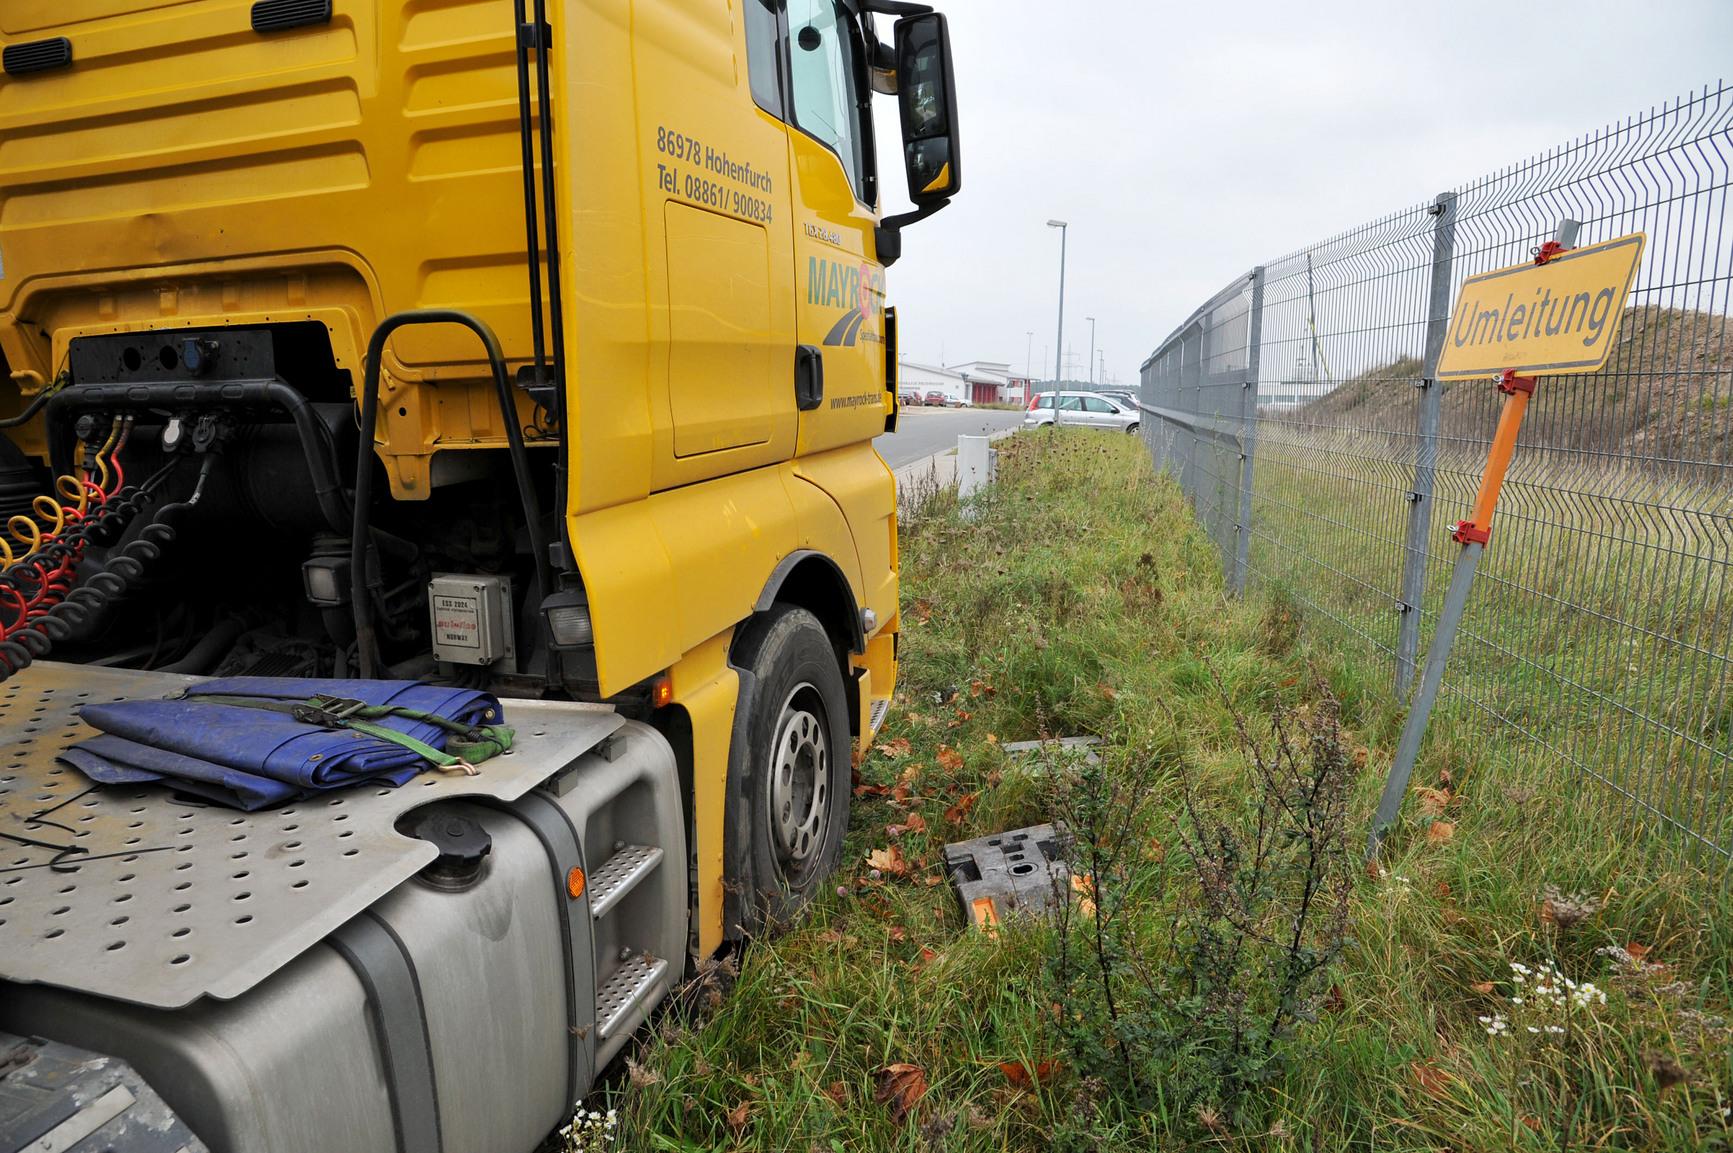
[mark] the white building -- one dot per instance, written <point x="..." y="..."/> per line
<point x="925" y="378"/>
<point x="989" y="380"/>
<point x="979" y="381"/>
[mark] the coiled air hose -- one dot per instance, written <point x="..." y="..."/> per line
<point x="39" y="603"/>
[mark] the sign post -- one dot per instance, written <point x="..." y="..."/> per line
<point x="1558" y="315"/>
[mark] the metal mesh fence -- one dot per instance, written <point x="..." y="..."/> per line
<point x="1299" y="410"/>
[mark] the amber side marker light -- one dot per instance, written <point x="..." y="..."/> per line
<point x="662" y="691"/>
<point x="575" y="883"/>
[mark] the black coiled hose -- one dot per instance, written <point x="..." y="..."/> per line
<point x="28" y="642"/>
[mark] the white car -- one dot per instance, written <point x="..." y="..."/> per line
<point x="1086" y="408"/>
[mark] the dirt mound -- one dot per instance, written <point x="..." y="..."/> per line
<point x="1664" y="397"/>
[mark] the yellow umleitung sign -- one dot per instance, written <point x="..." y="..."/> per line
<point x="1542" y="319"/>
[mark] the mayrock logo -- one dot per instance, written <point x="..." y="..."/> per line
<point x="858" y="288"/>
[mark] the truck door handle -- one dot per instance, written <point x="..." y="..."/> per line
<point x="808" y="377"/>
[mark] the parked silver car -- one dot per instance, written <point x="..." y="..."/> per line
<point x="1086" y="408"/>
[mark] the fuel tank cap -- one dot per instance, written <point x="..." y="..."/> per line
<point x="462" y="843"/>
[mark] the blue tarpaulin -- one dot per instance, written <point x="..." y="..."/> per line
<point x="252" y="757"/>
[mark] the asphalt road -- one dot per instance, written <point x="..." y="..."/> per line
<point x="921" y="432"/>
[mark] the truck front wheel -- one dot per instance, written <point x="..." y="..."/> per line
<point x="795" y="781"/>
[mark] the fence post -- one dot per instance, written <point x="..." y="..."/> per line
<point x="1248" y="433"/>
<point x="1190" y="381"/>
<point x="1426" y="444"/>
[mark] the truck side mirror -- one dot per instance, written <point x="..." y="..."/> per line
<point x="927" y="95"/>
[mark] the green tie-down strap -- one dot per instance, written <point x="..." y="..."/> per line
<point x="467" y="747"/>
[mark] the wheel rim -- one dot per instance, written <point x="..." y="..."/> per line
<point x="800" y="780"/>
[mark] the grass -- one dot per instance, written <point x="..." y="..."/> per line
<point x="1082" y="599"/>
<point x="1599" y="621"/>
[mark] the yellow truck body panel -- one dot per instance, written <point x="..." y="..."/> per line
<point x="187" y="171"/>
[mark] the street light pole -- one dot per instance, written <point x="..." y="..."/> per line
<point x="1091" y="321"/>
<point x="1028" y="352"/>
<point x="1059" y="340"/>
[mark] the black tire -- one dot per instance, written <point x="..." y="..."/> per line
<point x="792" y="769"/>
<point x="1132" y="429"/>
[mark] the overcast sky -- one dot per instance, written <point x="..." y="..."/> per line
<point x="1187" y="142"/>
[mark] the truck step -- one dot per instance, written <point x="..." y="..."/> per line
<point x="619" y="875"/>
<point x="627" y="990"/>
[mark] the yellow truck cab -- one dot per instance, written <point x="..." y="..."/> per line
<point x="532" y="348"/>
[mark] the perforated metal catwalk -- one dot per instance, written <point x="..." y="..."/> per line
<point x="172" y="900"/>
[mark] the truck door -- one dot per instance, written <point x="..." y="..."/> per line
<point x="840" y="284"/>
<point x="716" y="173"/>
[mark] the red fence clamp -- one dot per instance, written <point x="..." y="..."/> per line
<point x="1547" y="251"/>
<point x="1467" y="532"/>
<point x="1510" y="383"/>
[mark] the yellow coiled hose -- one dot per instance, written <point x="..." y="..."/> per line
<point x="75" y="492"/>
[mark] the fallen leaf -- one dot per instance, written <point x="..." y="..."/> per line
<point x="1532" y="1122"/>
<point x="1439" y="832"/>
<point x="992" y="738"/>
<point x="958" y="811"/>
<point x="898" y="933"/>
<point x="1482" y="987"/>
<point x="737" y="1117"/>
<point x="1434" y="1081"/>
<point x="1084" y="886"/>
<point x="901" y="793"/>
<point x="870" y="790"/>
<point x="915" y="824"/>
<point x="950" y="759"/>
<point x="1334" y="1001"/>
<point x="927" y="958"/>
<point x="900" y="1088"/>
<point x="1107" y="691"/>
<point x="1433" y="802"/>
<point x="888" y="861"/>
<point x="895" y="747"/>
<point x="1022" y="1075"/>
<point x="877" y="906"/>
<point x="1441" y="890"/>
<point x="837" y="1091"/>
<point x="1637" y="952"/>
